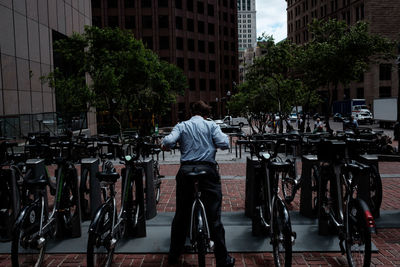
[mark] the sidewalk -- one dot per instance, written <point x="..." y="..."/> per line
<point x="233" y="171"/>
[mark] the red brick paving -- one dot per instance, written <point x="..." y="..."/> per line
<point x="387" y="240"/>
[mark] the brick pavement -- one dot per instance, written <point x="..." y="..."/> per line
<point x="387" y="240"/>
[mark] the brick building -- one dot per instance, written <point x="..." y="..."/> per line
<point x="381" y="80"/>
<point x="198" y="36"/>
<point x="27" y="32"/>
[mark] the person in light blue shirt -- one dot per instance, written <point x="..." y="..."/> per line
<point x="198" y="141"/>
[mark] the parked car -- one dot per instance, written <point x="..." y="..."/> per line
<point x="293" y="117"/>
<point x="226" y="128"/>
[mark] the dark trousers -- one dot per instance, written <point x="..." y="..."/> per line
<point x="211" y="196"/>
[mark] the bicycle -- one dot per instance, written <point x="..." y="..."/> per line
<point x="340" y="209"/>
<point x="272" y="215"/>
<point x="107" y="227"/>
<point x="34" y="226"/>
<point x="199" y="231"/>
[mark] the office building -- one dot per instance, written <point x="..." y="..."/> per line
<point x="382" y="80"/>
<point x="198" y="36"/>
<point x="28" y="30"/>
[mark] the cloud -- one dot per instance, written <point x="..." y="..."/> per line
<point x="271" y="18"/>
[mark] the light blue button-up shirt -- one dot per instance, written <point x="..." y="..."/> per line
<point x="198" y="139"/>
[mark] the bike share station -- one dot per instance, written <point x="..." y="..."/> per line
<point x="242" y="235"/>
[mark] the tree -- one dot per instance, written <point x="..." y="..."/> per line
<point x="270" y="86"/>
<point x="126" y="79"/>
<point x="338" y="54"/>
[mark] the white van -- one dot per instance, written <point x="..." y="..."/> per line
<point x="239" y="121"/>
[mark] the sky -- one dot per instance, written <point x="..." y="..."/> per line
<point x="271" y="18"/>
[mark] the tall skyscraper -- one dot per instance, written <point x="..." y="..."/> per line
<point x="247" y="24"/>
<point x="199" y="36"/>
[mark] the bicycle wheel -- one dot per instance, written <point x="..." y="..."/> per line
<point x="281" y="235"/>
<point x="375" y="191"/>
<point x="314" y="190"/>
<point x="26" y="250"/>
<point x="99" y="251"/>
<point x="201" y="237"/>
<point x="358" y="236"/>
<point x="288" y="184"/>
<point x="68" y="213"/>
<point x="84" y="194"/>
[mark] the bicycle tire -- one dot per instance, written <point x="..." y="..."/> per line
<point x="96" y="253"/>
<point x="281" y="235"/>
<point x="314" y="190"/>
<point x="28" y="256"/>
<point x="68" y="212"/>
<point x="84" y="195"/>
<point x="358" y="236"/>
<point x="288" y="184"/>
<point x="201" y="240"/>
<point x="375" y="191"/>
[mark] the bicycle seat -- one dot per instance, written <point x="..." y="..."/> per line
<point x="109" y="177"/>
<point x="280" y="165"/>
<point x="196" y="174"/>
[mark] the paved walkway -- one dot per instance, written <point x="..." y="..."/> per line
<point x="233" y="173"/>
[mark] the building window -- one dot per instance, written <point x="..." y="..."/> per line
<point x="113" y="21"/>
<point x="147" y="22"/>
<point x="148" y="41"/>
<point x="179" y="23"/>
<point x="200" y="26"/>
<point x="96" y="21"/>
<point x="164" y="42"/>
<point x="385" y="91"/>
<point x="346" y="93"/>
<point x="192" y="65"/>
<point x="179" y="43"/>
<point x="211" y="66"/>
<point x="200" y="7"/>
<point x="360" y="92"/>
<point x="189" y="5"/>
<point x="212" y="85"/>
<point x="211" y="29"/>
<point x="163" y="3"/>
<point x="130" y="22"/>
<point x="96" y="3"/>
<point x="201" y="46"/>
<point x="202" y="65"/>
<point x="163" y="21"/>
<point x="225" y="16"/>
<point x="178" y="4"/>
<point x="202" y="84"/>
<point x="385" y="72"/>
<point x="129" y="3"/>
<point x="190" y="25"/>
<point x="190" y="44"/>
<point x="192" y="84"/>
<point x="146" y="3"/>
<point x="112" y="3"/>
<point x="180" y="62"/>
<point x="211" y="47"/>
<point x="210" y="10"/>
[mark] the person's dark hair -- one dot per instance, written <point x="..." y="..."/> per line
<point x="200" y="108"/>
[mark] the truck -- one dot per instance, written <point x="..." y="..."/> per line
<point x="385" y="111"/>
<point x="235" y="121"/>
<point x="346" y="107"/>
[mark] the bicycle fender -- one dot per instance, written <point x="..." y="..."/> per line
<point x="285" y="212"/>
<point x="28" y="216"/>
<point x="96" y="224"/>
<point x="369" y="219"/>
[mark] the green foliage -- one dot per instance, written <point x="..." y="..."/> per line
<point x="126" y="79"/>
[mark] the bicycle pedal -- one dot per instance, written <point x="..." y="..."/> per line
<point x="293" y="238"/>
<point x="211" y="244"/>
<point x="40" y="242"/>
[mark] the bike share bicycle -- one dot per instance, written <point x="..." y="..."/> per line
<point x="341" y="209"/>
<point x="272" y="216"/>
<point x="34" y="226"/>
<point x="109" y="226"/>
